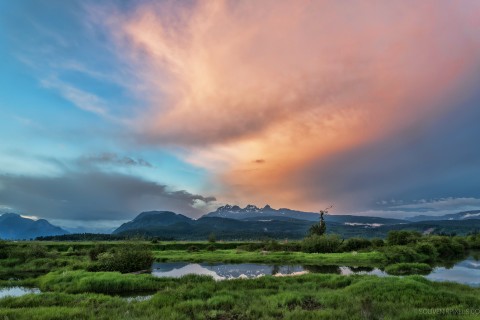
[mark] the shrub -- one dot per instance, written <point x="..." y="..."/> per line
<point x="427" y="249"/>
<point x="474" y="241"/>
<point x="193" y="249"/>
<point x="211" y="247"/>
<point x="271" y="245"/>
<point x="96" y="250"/>
<point x="292" y="247"/>
<point x="29" y="252"/>
<point x="448" y="247"/>
<point x="397" y="254"/>
<point x="4" y="249"/>
<point x="402" y="237"/>
<point x="124" y="259"/>
<point x="377" y="242"/>
<point x="462" y="241"/>
<point x="321" y="244"/>
<point x="408" y="268"/>
<point x="354" y="244"/>
<point x="250" y="247"/>
<point x="212" y="238"/>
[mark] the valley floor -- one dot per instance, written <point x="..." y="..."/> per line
<point x="70" y="291"/>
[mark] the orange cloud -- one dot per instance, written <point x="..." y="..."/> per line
<point x="292" y="82"/>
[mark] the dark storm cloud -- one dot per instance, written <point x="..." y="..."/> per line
<point x="94" y="195"/>
<point x="435" y="159"/>
<point x="109" y="158"/>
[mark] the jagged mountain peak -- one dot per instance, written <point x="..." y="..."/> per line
<point x="228" y="207"/>
<point x="252" y="211"/>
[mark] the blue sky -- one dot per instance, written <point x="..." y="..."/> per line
<point x="114" y="108"/>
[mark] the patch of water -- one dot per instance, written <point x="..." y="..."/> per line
<point x="221" y="271"/>
<point x="17" y="291"/>
<point x="465" y="272"/>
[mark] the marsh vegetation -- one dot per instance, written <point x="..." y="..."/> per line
<point x="89" y="280"/>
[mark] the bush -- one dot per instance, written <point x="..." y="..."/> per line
<point x="354" y="244"/>
<point x="249" y="247"/>
<point x="193" y="249"/>
<point x="271" y="245"/>
<point x="4" y="249"/>
<point x="29" y="252"/>
<point x="292" y="246"/>
<point x="321" y="244"/>
<point x="428" y="250"/>
<point x="402" y="237"/>
<point x="448" y="247"/>
<point x="212" y="238"/>
<point x="377" y="242"/>
<point x="408" y="268"/>
<point x="94" y="252"/>
<point x="474" y="241"/>
<point x="211" y="247"/>
<point x="397" y="254"/>
<point x="124" y="259"/>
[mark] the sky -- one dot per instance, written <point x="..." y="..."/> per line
<point x="111" y="108"/>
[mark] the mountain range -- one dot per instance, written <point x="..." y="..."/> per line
<point x="235" y="223"/>
<point x="15" y="227"/>
<point x="231" y="222"/>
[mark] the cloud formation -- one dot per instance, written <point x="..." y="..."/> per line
<point x="94" y="195"/>
<point x="304" y="85"/>
<point x="110" y="158"/>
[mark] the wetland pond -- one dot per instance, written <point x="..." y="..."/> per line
<point x="466" y="271"/>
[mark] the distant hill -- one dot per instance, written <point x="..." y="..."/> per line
<point x="464" y="215"/>
<point x="153" y="219"/>
<point x="15" y="227"/>
<point x="224" y="228"/>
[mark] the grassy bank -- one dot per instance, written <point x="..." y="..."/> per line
<point x="312" y="296"/>
<point x="237" y="256"/>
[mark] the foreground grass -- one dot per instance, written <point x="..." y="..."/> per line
<point x="312" y="296"/>
<point x="373" y="258"/>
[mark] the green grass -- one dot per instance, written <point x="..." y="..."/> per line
<point x="312" y="296"/>
<point x="98" y="282"/>
<point x="408" y="268"/>
<point x="373" y="258"/>
<point x="71" y="292"/>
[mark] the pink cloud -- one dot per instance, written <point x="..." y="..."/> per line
<point x="291" y="82"/>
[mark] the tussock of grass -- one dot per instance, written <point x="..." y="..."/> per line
<point x="373" y="258"/>
<point x="99" y="282"/>
<point x="408" y="268"/>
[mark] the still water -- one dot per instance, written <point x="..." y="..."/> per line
<point x="221" y="271"/>
<point x="466" y="271"/>
<point x="16" y="291"/>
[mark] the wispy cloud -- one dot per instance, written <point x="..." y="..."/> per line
<point x="82" y="99"/>
<point x="110" y="158"/>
